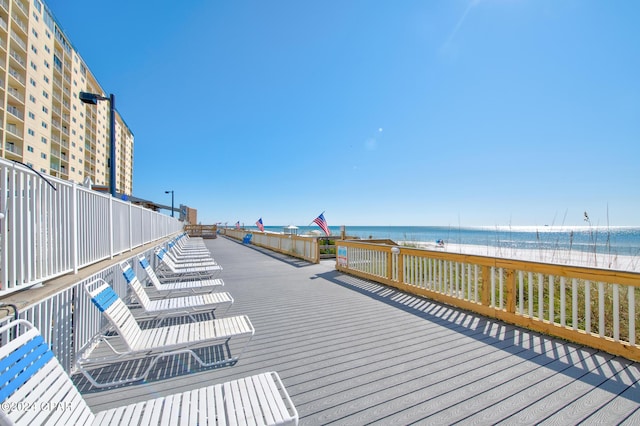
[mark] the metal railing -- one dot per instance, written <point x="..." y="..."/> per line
<point x="56" y="315"/>
<point x="52" y="227"/>
<point x="293" y="245"/>
<point x="590" y="306"/>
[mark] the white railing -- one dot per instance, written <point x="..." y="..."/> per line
<point x="52" y="227"/>
<point x="68" y="320"/>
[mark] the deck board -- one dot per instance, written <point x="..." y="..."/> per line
<point x="355" y="352"/>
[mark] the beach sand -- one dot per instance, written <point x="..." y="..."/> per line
<point x="560" y="257"/>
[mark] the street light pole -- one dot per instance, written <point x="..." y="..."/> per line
<point x="112" y="140"/>
<point x="92" y="99"/>
<point x="166" y="192"/>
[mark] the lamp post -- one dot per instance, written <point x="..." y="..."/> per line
<point x="92" y="99"/>
<point x="166" y="192"/>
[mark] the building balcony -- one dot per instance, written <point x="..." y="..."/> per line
<point x="18" y="40"/>
<point x="19" y="22"/>
<point x="15" y="93"/>
<point x="15" y="112"/>
<point x="21" y="7"/>
<point x="18" y="58"/>
<point x="10" y="147"/>
<point x="14" y="129"/>
<point x="17" y="75"/>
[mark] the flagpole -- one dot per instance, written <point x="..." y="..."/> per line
<point x="314" y="219"/>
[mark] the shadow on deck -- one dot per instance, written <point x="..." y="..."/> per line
<point x="354" y="352"/>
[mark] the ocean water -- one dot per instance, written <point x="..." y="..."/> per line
<point x="603" y="240"/>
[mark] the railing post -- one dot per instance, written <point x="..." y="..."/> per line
<point x="511" y="290"/>
<point x="130" y="229"/>
<point x="110" y="227"/>
<point x="3" y="229"/>
<point x="485" y="295"/>
<point x="74" y="227"/>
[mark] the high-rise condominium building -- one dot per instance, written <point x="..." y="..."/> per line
<point x="44" y="123"/>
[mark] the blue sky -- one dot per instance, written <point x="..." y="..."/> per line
<point x="440" y="112"/>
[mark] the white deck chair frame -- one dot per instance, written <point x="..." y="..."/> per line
<point x="179" y="286"/>
<point x="34" y="389"/>
<point x="161" y="309"/>
<point x="155" y="343"/>
<point x="168" y="268"/>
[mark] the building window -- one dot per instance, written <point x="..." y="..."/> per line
<point x="46" y="79"/>
<point x="43" y="139"/>
<point x="45" y="110"/>
<point x="43" y="155"/>
<point x="35" y="33"/>
<point x="31" y="132"/>
<point x="29" y="148"/>
<point x="32" y="115"/>
<point x="32" y="98"/>
<point x="33" y="82"/>
<point x="34" y="49"/>
<point x="46" y="49"/>
<point x="45" y="94"/>
<point x="43" y="170"/>
<point x="44" y="124"/>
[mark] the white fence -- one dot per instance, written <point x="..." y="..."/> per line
<point x="68" y="320"/>
<point x="52" y="227"/>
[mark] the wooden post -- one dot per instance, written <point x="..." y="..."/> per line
<point x="485" y="296"/>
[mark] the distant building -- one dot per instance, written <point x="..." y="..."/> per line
<point x="189" y="215"/>
<point x="43" y="122"/>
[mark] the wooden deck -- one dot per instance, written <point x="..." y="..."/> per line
<point x="352" y="352"/>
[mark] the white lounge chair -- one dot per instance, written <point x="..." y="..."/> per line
<point x="180" y="247"/>
<point x="169" y="268"/>
<point x="173" y="306"/>
<point x="173" y="288"/>
<point x="153" y="343"/>
<point x="35" y="390"/>
<point x="188" y="261"/>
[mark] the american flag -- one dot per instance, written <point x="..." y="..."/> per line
<point x="260" y="224"/>
<point x="322" y="223"/>
<point x="238" y="225"/>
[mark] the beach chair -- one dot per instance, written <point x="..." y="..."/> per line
<point x="153" y="343"/>
<point x="168" y="268"/>
<point x="247" y="239"/>
<point x="181" y="244"/>
<point x="173" y="306"/>
<point x="35" y="390"/>
<point x="188" y="261"/>
<point x="189" y="242"/>
<point x="179" y="284"/>
<point x="188" y="254"/>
